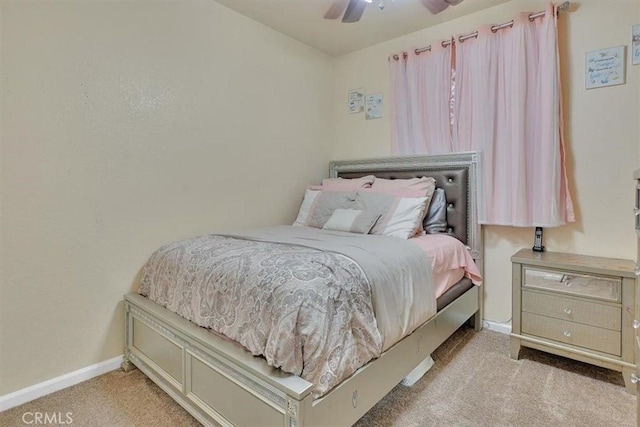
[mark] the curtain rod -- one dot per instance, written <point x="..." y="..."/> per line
<point x="563" y="7"/>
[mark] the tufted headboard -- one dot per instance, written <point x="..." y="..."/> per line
<point x="456" y="173"/>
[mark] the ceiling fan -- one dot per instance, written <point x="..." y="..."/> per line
<point x="353" y="9"/>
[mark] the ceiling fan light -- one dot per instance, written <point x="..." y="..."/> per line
<point x="368" y="1"/>
<point x="453" y="2"/>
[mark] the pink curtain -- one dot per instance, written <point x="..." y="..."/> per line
<point x="420" y="102"/>
<point x="507" y="106"/>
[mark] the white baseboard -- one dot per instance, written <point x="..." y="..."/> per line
<point x="63" y="381"/>
<point x="503" y="328"/>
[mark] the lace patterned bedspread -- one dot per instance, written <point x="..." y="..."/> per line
<point x="306" y="310"/>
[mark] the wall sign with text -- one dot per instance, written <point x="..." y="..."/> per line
<point x="356" y="101"/>
<point x="605" y="67"/>
<point x="373" y="106"/>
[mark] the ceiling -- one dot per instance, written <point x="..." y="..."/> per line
<point x="303" y="20"/>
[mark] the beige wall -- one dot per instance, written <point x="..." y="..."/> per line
<point x="603" y="137"/>
<point x="122" y="121"/>
<point x="126" y="126"/>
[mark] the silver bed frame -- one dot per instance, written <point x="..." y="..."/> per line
<point x="221" y="384"/>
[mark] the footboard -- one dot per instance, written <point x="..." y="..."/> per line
<point x="215" y="380"/>
<point x="221" y="384"/>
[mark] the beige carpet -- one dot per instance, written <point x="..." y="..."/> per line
<point x="473" y="383"/>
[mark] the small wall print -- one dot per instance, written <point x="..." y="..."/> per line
<point x="605" y="67"/>
<point x="356" y="101"/>
<point x="635" y="44"/>
<point x="373" y="106"/>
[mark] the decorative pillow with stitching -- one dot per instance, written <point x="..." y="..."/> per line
<point x="401" y="216"/>
<point x="352" y="220"/>
<point x="436" y="219"/>
<point x="318" y="206"/>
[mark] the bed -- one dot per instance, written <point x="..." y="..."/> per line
<point x="220" y="383"/>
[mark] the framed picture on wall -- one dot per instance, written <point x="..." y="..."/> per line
<point x="373" y="106"/>
<point x="605" y="67"/>
<point x="356" y="101"/>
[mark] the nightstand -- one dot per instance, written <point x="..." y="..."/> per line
<point x="576" y="306"/>
<point x="636" y="177"/>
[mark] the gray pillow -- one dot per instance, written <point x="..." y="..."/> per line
<point x="436" y="219"/>
<point x="352" y="220"/>
<point x="326" y="203"/>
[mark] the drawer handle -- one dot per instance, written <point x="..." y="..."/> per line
<point x="636" y="211"/>
<point x="567" y="310"/>
<point x="634" y="378"/>
<point x="567" y="334"/>
<point x="637" y="270"/>
<point x="636" y="324"/>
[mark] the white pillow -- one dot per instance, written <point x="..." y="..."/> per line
<point x="305" y="207"/>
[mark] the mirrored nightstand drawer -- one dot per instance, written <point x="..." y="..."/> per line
<point x="598" y="287"/>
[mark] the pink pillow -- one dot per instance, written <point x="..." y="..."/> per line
<point x="394" y="192"/>
<point x="424" y="184"/>
<point x="315" y="187"/>
<point x="340" y="184"/>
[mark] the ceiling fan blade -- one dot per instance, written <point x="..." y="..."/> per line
<point x="435" y="6"/>
<point x="336" y="9"/>
<point x="354" y="11"/>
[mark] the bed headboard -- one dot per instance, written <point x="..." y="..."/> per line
<point x="456" y="173"/>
